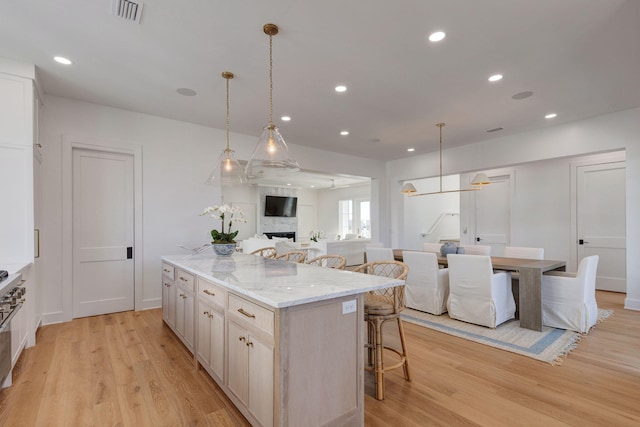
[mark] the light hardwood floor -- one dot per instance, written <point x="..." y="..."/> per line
<point x="127" y="369"/>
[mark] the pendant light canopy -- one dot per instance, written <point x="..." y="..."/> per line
<point x="271" y="156"/>
<point x="228" y="170"/>
<point x="477" y="182"/>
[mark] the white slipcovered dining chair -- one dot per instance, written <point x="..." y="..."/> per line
<point x="379" y="254"/>
<point x="476" y="250"/>
<point x="427" y="285"/>
<point x="477" y="294"/>
<point x="569" y="299"/>
<point x="523" y="252"/>
<point x="432" y="247"/>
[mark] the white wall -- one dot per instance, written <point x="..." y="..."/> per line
<point x="327" y="220"/>
<point x="541" y="206"/>
<point x="421" y="212"/>
<point x="177" y="157"/>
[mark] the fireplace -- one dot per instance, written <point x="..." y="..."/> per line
<point x="288" y="235"/>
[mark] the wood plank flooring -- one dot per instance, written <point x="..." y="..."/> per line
<point x="128" y="369"/>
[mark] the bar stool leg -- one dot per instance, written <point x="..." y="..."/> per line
<point x="405" y="366"/>
<point x="379" y="365"/>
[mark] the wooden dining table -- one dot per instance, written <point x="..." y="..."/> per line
<point x="529" y="284"/>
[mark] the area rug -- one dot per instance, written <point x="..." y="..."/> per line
<point x="549" y="346"/>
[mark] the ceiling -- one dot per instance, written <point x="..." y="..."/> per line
<point x="580" y="58"/>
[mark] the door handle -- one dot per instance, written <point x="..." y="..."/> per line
<point x="581" y="242"/>
<point x="478" y="239"/>
<point x="130" y="252"/>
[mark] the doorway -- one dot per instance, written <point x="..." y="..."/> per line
<point x="493" y="213"/>
<point x="106" y="154"/>
<point x="600" y="220"/>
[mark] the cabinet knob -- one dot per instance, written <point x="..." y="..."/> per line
<point x="206" y="313"/>
<point x="241" y="338"/>
<point x="249" y="344"/>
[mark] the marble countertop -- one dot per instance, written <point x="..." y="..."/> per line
<point x="279" y="283"/>
<point x="14" y="267"/>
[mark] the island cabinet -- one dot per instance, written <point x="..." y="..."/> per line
<point x="251" y="362"/>
<point x="284" y="341"/>
<point x="210" y="348"/>
<point x="168" y="295"/>
<point x="178" y="303"/>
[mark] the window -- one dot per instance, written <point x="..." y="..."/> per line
<point x="354" y="218"/>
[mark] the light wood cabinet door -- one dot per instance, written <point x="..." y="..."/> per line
<point x="261" y="380"/>
<point x="250" y="374"/>
<point x="169" y="302"/>
<point x="185" y="316"/>
<point x="211" y="339"/>
<point x="238" y="372"/>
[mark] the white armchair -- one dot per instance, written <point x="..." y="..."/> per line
<point x="426" y="286"/>
<point x="569" y="299"/>
<point x="477" y="294"/>
<point x="379" y="254"/>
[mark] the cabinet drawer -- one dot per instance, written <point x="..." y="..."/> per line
<point x="186" y="280"/>
<point x="168" y="271"/>
<point x="257" y="316"/>
<point x="211" y="293"/>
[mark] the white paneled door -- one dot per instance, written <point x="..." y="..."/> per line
<point x="103" y="218"/>
<point x="601" y="221"/>
<point x="493" y="214"/>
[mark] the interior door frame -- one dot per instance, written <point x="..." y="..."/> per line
<point x="69" y="142"/>
<point x="597" y="159"/>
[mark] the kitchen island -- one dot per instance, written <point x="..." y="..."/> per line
<point x="284" y="341"/>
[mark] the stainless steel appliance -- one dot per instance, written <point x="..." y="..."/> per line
<point x="11" y="299"/>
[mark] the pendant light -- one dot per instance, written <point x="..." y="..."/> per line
<point x="228" y="170"/>
<point x="480" y="179"/>
<point x="271" y="156"/>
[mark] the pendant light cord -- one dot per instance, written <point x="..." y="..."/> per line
<point x="228" y="149"/>
<point x="440" y="125"/>
<point x="270" y="81"/>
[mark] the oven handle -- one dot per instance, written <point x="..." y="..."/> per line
<point x="5" y="322"/>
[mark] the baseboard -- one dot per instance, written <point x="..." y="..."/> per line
<point x="52" y="318"/>
<point x="632" y="303"/>
<point x="149" y="304"/>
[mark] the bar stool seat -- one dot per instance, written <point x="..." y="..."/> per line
<point x="379" y="307"/>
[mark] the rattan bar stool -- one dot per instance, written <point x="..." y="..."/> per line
<point x="379" y="307"/>
<point x="268" y="252"/>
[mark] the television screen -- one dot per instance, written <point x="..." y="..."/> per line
<point x="280" y="206"/>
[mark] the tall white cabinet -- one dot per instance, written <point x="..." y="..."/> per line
<point x="20" y="182"/>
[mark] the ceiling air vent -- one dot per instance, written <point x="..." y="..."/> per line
<point x="127" y="10"/>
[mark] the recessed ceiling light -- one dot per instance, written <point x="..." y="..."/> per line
<point x="286" y="118"/>
<point x="411" y="149"/>
<point x="437" y="36"/>
<point x="344" y="133"/>
<point x="495" y="78"/>
<point x="288" y="184"/>
<point x="551" y="116"/>
<point x="341" y="88"/>
<point x="313" y="186"/>
<point x="186" y="91"/>
<point x="62" y="60"/>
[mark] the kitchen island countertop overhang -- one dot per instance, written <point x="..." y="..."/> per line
<point x="278" y="283"/>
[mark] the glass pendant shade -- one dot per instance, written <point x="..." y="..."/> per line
<point x="271" y="156"/>
<point x="228" y="170"/>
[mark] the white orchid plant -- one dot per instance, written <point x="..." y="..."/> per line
<point x="228" y="215"/>
<point x="315" y="235"/>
